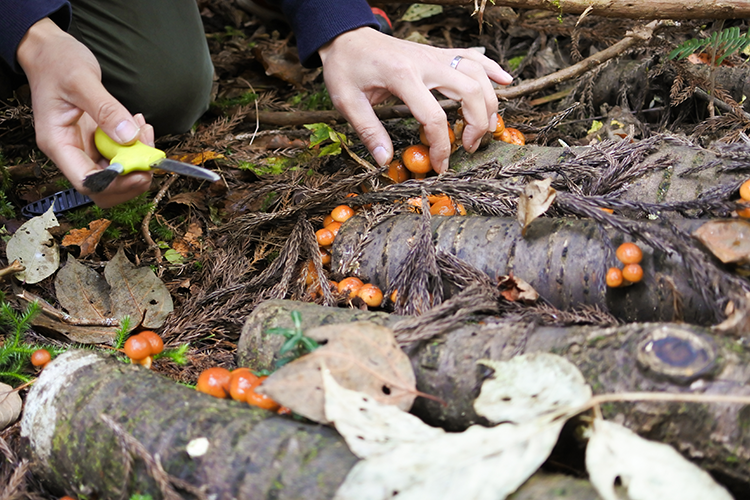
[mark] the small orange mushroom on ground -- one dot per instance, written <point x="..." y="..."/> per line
<point x="262" y="401"/>
<point x="137" y="348"/>
<point x="350" y="286"/>
<point x="398" y="172"/>
<point x="325" y="237"/>
<point x="513" y="136"/>
<point x="371" y="295"/>
<point x="334" y="227"/>
<point x="614" y="277"/>
<point x="443" y="206"/>
<point x="744" y="213"/>
<point x="41" y="357"/>
<point x="342" y="213"/>
<point x="241" y="382"/>
<point x="156" y="342"/>
<point x="416" y="159"/>
<point x="327" y="220"/>
<point x="629" y="253"/>
<point x="632" y="273"/>
<point x="745" y="190"/>
<point x="214" y="382"/>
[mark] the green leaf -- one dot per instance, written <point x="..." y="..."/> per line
<point x="320" y="132"/>
<point x="174" y="257"/>
<point x="331" y="150"/>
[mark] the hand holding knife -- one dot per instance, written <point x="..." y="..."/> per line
<point x="136" y="157"/>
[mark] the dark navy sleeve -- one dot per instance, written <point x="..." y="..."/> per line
<point x="317" y="22"/>
<point x="17" y="16"/>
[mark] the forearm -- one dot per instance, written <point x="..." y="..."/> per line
<point x="17" y="17"/>
<point x="317" y="22"/>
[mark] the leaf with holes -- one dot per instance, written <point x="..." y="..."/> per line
<point x="536" y="198"/>
<point x="361" y="356"/>
<point x="35" y="248"/>
<point x="529" y="386"/>
<point x="137" y="292"/>
<point x="648" y="470"/>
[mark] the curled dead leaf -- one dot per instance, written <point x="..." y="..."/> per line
<point x="87" y="238"/>
<point x="728" y="240"/>
<point x="536" y="198"/>
<point x="10" y="405"/>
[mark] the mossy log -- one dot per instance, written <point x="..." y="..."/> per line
<point x="672" y="171"/>
<point x="658" y="357"/>
<point x="251" y="453"/>
<point x="565" y="260"/>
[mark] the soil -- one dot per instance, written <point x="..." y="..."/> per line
<point x="223" y="250"/>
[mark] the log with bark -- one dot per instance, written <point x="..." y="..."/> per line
<point x="659" y="9"/>
<point x="98" y="428"/>
<point x="660" y="357"/>
<point x="564" y="260"/>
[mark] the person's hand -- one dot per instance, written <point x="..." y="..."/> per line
<point x="363" y="67"/>
<point x="69" y="101"/>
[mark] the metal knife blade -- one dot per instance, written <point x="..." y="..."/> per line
<point x="182" y="168"/>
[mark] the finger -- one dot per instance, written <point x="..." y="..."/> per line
<point x="428" y="112"/>
<point x="358" y="111"/>
<point x="147" y="131"/>
<point x="106" y="111"/>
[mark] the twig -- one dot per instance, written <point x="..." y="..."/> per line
<point x="11" y="269"/>
<point x="636" y="36"/>
<point x="147" y="219"/>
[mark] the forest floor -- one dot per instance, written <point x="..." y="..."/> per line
<point x="221" y="249"/>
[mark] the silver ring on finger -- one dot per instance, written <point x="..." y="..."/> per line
<point x="455" y="61"/>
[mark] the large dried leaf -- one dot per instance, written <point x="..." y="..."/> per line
<point x="647" y="470"/>
<point x="728" y="240"/>
<point x="137" y="292"/>
<point x="361" y="356"/>
<point x="282" y="61"/>
<point x="83" y="292"/>
<point x="87" y="238"/>
<point x="529" y="386"/>
<point x="406" y="459"/>
<point x="10" y="405"/>
<point x="536" y="198"/>
<point x="35" y="248"/>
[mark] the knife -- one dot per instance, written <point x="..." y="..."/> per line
<point x="136" y="157"/>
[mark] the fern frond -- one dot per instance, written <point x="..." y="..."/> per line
<point x="727" y="42"/>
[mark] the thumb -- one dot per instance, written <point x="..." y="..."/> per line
<point x="110" y="114"/>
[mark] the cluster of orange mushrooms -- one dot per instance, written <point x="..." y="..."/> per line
<point x="630" y="255"/>
<point x="238" y="384"/>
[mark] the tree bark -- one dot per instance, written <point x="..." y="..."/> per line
<point x="657" y="9"/>
<point x="251" y="453"/>
<point x="625" y="358"/>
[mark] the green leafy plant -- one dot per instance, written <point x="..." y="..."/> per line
<point x="15" y="355"/>
<point x="322" y="132"/>
<point x="296" y="344"/>
<point x="726" y="43"/>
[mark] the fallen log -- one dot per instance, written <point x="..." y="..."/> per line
<point x="564" y="260"/>
<point x="659" y="357"/>
<point x="249" y="453"/>
<point x="97" y="427"/>
<point x="658" y="9"/>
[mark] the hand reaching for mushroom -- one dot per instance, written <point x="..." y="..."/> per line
<point x="363" y="67"/>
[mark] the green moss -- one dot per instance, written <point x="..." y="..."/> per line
<point x="664" y="185"/>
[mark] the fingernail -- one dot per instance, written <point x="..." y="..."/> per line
<point x="380" y="155"/>
<point x="126" y="131"/>
<point x="493" y="122"/>
<point x="444" y="166"/>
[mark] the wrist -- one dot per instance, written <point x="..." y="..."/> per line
<point x="342" y="39"/>
<point x="37" y="36"/>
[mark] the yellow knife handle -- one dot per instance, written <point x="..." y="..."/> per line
<point x="137" y="156"/>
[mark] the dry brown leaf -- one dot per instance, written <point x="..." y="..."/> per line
<point x="515" y="289"/>
<point x="198" y="158"/>
<point x="281" y="61"/>
<point x="86" y="238"/>
<point x="10" y="405"/>
<point x="728" y="240"/>
<point x="361" y="356"/>
<point x="195" y="199"/>
<point x="137" y="292"/>
<point x="83" y="292"/>
<point x="536" y="198"/>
